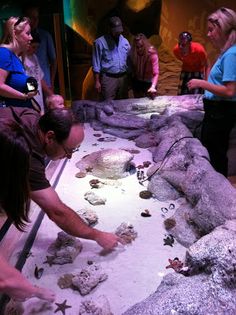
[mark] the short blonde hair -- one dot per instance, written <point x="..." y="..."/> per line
<point x="54" y="101"/>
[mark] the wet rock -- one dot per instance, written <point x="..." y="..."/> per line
<point x="124" y="133"/>
<point x="215" y="254"/>
<point x="146" y="140"/>
<point x="108" y="163"/>
<point x="126" y="232"/>
<point x="161" y="189"/>
<point x="99" y="306"/>
<point x="65" y="249"/>
<point x="184" y="230"/>
<point x="177" y="294"/>
<point x="94" y="199"/>
<point x="88" y="278"/>
<point x="89" y="216"/>
<point x="123" y="120"/>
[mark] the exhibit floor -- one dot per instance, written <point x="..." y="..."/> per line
<point x="135" y="270"/>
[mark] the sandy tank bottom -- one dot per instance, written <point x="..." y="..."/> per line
<point x="135" y="270"/>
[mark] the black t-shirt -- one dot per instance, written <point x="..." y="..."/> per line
<point x="28" y="118"/>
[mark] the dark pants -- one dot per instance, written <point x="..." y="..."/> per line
<point x="185" y="77"/>
<point x="114" y="87"/>
<point x="219" y="119"/>
<point x="140" y="87"/>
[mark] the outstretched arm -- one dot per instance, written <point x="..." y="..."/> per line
<point x="15" y="285"/>
<point x="226" y="90"/>
<point x="155" y="73"/>
<point x="69" y="221"/>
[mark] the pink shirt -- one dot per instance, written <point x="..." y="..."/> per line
<point x="145" y="70"/>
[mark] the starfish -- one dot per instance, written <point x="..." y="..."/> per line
<point x="169" y="240"/>
<point x="176" y="264"/>
<point x="89" y="169"/>
<point x="62" y="307"/>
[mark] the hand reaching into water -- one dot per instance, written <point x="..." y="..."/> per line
<point x="108" y="240"/>
<point x="16" y="286"/>
<point x="152" y="92"/>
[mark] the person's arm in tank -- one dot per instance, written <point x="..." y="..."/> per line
<point x="16" y="286"/>
<point x="69" y="221"/>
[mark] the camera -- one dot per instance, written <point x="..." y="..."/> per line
<point x="31" y="85"/>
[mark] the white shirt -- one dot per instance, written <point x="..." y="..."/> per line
<point x="33" y="69"/>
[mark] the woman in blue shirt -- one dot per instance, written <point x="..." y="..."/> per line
<point x="220" y="89"/>
<point x="13" y="79"/>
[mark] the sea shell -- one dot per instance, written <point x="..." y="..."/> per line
<point x="38" y="272"/>
<point x="146" y="213"/>
<point x="145" y="194"/>
<point x="80" y="174"/>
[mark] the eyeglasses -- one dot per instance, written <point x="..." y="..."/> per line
<point x="69" y="152"/>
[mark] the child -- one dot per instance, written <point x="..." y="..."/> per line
<point x="54" y="101"/>
<point x="33" y="69"/>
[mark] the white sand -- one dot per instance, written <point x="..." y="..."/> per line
<point x="134" y="271"/>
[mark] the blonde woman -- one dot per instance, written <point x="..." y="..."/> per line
<point x="220" y="89"/>
<point x="145" y="67"/>
<point x="15" y="87"/>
